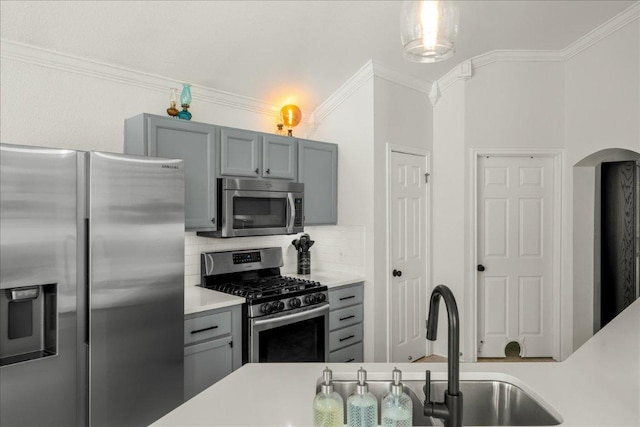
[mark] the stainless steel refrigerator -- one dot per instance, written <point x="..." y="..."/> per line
<point x="91" y="287"/>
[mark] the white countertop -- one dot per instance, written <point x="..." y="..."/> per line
<point x="197" y="299"/>
<point x="599" y="385"/>
<point x="331" y="279"/>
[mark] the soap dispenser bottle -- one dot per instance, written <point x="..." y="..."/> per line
<point x="362" y="406"/>
<point x="328" y="406"/>
<point x="396" y="407"/>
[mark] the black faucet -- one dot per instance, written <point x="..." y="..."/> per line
<point x="450" y="411"/>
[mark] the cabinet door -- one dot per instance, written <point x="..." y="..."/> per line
<point x="205" y="364"/>
<point x="279" y="158"/>
<point x="239" y="153"/>
<point x="318" y="170"/>
<point x="195" y="144"/>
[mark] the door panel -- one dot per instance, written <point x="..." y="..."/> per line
<point x="136" y="284"/>
<point x="239" y="153"/>
<point x="408" y="256"/>
<point x="515" y="199"/>
<point x="279" y="157"/>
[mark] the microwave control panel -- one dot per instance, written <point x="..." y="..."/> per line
<point x="297" y="221"/>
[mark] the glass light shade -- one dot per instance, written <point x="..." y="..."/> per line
<point x="291" y="115"/>
<point x="185" y="96"/>
<point x="428" y="30"/>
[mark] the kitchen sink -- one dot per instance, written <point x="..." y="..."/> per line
<point x="486" y="402"/>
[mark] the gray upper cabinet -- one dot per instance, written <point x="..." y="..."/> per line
<point x="158" y="136"/>
<point x="240" y="153"/>
<point x="318" y="170"/>
<point x="279" y="156"/>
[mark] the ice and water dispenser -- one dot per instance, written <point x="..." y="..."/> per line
<point x="28" y="330"/>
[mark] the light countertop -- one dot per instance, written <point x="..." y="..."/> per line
<point x="599" y="385"/>
<point x="197" y="299"/>
<point x="331" y="279"/>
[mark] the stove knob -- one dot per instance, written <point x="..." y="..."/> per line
<point x="294" y="302"/>
<point x="266" y="308"/>
<point x="278" y="306"/>
<point x="321" y="297"/>
<point x="310" y="299"/>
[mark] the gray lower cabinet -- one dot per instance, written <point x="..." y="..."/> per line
<point x="212" y="348"/>
<point x="318" y="170"/>
<point x="345" y="323"/>
<point x="149" y="135"/>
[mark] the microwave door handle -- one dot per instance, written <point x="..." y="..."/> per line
<point x="291" y="213"/>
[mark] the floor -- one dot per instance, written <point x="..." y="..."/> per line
<point x="435" y="359"/>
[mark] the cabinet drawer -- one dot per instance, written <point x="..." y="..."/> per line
<point x="344" y="297"/>
<point x="345" y="317"/>
<point x="344" y="337"/>
<point x="207" y="327"/>
<point x="353" y="353"/>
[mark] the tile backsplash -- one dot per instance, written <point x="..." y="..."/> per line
<point x="336" y="248"/>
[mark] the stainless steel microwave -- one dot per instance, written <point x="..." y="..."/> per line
<point x="248" y="207"/>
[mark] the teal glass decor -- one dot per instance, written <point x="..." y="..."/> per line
<point x="185" y="100"/>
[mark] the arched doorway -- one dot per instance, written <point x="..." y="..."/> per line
<point x="593" y="203"/>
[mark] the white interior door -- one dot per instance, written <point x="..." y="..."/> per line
<point x="407" y="279"/>
<point x="515" y="247"/>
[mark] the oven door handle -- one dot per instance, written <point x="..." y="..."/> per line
<point x="292" y="212"/>
<point x="291" y="316"/>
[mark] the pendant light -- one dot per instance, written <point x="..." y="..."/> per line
<point x="428" y="30"/>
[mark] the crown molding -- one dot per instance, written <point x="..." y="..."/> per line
<point x="364" y="74"/>
<point x="625" y="17"/>
<point x="399" y="78"/>
<point x="462" y="71"/>
<point x="74" y="64"/>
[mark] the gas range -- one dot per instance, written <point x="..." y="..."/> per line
<point x="284" y="319"/>
<point x="255" y="275"/>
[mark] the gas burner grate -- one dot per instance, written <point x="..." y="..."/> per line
<point x="265" y="287"/>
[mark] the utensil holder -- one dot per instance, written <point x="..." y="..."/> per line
<point x="304" y="262"/>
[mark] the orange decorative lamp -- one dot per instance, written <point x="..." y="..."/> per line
<point x="291" y="116"/>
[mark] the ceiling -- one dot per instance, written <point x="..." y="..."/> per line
<point x="283" y="51"/>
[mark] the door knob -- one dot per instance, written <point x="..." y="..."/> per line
<point x="481" y="267"/>
<point x="397" y="273"/>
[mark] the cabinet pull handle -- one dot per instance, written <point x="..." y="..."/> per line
<point x="204" y="329"/>
<point x="347" y="338"/>
<point x="257" y="171"/>
<point x="350" y="360"/>
<point x="268" y="171"/>
<point x="213" y="220"/>
<point x="348" y="317"/>
<point x="349" y="297"/>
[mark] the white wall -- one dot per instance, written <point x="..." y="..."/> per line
<point x="584" y="103"/>
<point x="42" y="105"/>
<point x="378" y="112"/>
<point x="402" y="116"/>
<point x="602" y="89"/>
<point x="515" y="104"/>
<point x="449" y="242"/>
<point x="350" y="125"/>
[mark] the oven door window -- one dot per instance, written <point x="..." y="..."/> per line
<point x="259" y="212"/>
<point x="302" y="341"/>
